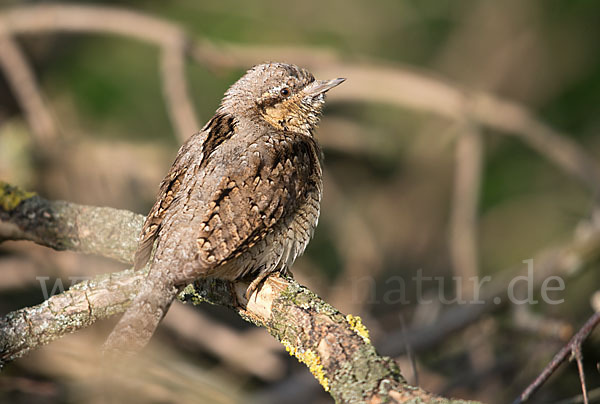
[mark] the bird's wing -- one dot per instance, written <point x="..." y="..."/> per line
<point x="268" y="182"/>
<point x="168" y="189"/>
<point x="219" y="128"/>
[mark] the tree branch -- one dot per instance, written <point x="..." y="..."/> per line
<point x="67" y="226"/>
<point x="570" y="351"/>
<point x="81" y="306"/>
<point x="21" y="79"/>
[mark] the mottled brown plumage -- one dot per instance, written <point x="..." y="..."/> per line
<point x="241" y="199"/>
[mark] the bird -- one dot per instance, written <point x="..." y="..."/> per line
<point x="241" y="200"/>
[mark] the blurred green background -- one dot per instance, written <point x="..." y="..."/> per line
<point x="391" y="204"/>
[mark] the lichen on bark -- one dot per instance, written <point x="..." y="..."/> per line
<point x="11" y="196"/>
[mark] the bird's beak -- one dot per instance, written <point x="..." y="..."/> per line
<point x="322" y="86"/>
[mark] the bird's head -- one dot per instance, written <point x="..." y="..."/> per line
<point x="286" y="96"/>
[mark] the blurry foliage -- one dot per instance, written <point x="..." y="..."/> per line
<point x="112" y="84"/>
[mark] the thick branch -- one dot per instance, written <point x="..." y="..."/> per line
<point x="26" y="329"/>
<point x="336" y="348"/>
<point x="68" y="226"/>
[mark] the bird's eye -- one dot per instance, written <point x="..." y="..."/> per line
<point x="284" y="91"/>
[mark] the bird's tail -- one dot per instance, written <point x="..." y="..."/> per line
<point x="136" y="327"/>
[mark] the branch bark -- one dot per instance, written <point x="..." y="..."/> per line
<point x="336" y="348"/>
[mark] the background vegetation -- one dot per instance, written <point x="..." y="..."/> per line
<point x="408" y="186"/>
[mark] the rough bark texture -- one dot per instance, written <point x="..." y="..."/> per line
<point x="67" y="226"/>
<point x="336" y="348"/>
<point x="80" y="306"/>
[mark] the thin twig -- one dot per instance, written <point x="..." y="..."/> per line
<point x="572" y="349"/>
<point x="409" y="352"/>
<point x="579" y="360"/>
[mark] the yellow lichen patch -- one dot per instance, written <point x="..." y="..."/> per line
<point x="189" y="293"/>
<point x="358" y="327"/>
<point x="310" y="359"/>
<point x="11" y="197"/>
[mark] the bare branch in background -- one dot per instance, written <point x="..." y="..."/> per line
<point x="175" y="90"/>
<point x="419" y="91"/>
<point x="257" y="358"/>
<point x="21" y="80"/>
<point x="89" y="18"/>
<point x="169" y="37"/>
<point x="465" y="202"/>
<point x="357" y="242"/>
<point x="463" y="234"/>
